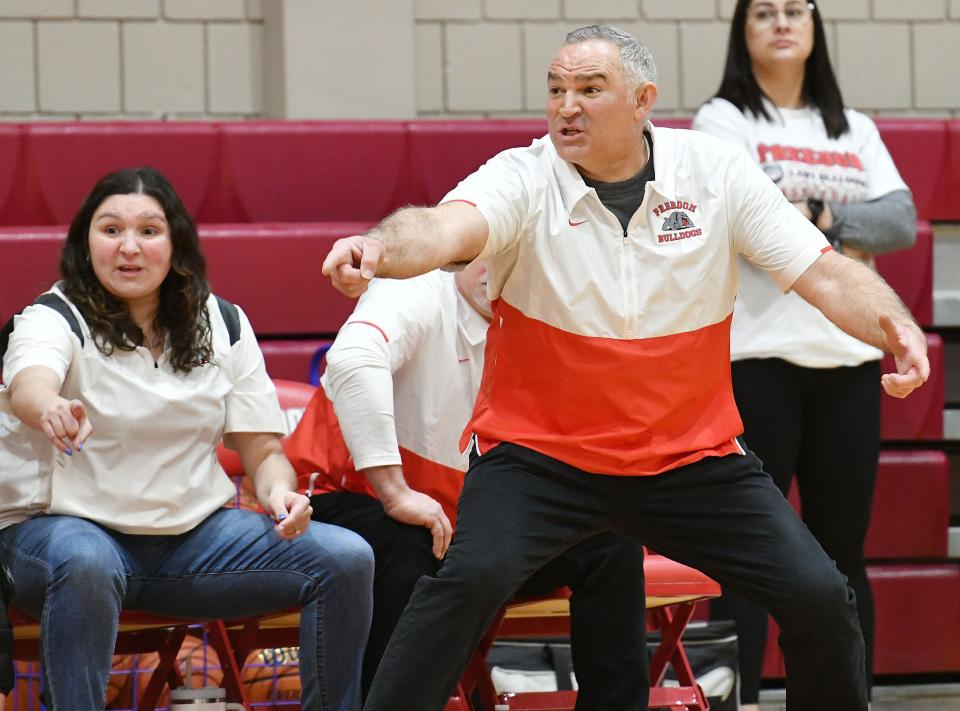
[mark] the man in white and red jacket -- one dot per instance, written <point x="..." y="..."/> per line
<point x="382" y="431"/>
<point x="606" y="401"/>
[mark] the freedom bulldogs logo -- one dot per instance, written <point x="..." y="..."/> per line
<point x="679" y="223"/>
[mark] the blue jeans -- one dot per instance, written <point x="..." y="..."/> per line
<point x="76" y="576"/>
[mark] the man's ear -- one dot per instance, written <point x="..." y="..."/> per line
<point x="646" y="96"/>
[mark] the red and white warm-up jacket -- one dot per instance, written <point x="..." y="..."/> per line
<point x="399" y="387"/>
<point x="610" y="349"/>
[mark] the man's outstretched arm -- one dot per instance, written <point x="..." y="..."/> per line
<point x="411" y="241"/>
<point x="860" y="302"/>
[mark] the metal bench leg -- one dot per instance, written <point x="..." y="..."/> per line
<point x="232" y="679"/>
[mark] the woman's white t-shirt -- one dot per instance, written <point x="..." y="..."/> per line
<point x="795" y="151"/>
<point x="150" y="465"/>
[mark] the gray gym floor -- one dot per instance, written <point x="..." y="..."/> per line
<point x="929" y="697"/>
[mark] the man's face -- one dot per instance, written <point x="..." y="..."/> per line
<point x="595" y="118"/>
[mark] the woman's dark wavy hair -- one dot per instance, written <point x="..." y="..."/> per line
<point x="182" y="314"/>
<point x="820" y="89"/>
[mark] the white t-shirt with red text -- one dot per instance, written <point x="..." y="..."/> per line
<point x="795" y="152"/>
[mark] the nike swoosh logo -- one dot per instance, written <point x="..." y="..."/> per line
<point x="576" y="224"/>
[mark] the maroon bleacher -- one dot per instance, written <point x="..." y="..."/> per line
<point x="11" y="167"/>
<point x="273" y="272"/>
<point x="291" y="359"/>
<point x="280" y="171"/>
<point x="953" y="167"/>
<point x="911" y="507"/>
<point x="917" y="610"/>
<point x="916" y="589"/>
<point x="29" y="264"/>
<point x="919" y="416"/>
<point x="273" y="195"/>
<point x="442" y="153"/>
<point x="64" y="161"/>
<point x="671" y="122"/>
<point x="301" y="171"/>
<point x="910" y="273"/>
<point x="920" y="148"/>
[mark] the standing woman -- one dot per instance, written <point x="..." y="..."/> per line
<point x="122" y="380"/>
<point x="809" y="394"/>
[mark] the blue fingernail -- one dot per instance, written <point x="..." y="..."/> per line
<point x="281" y="517"/>
<point x="80" y="447"/>
<point x="69" y="452"/>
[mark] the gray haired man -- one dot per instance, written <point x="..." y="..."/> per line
<point x="606" y="402"/>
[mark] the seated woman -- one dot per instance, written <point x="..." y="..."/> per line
<point x="129" y="514"/>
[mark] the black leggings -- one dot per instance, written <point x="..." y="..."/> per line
<point x="824" y="425"/>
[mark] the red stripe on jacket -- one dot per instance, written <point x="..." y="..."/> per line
<point x="606" y="405"/>
<point x="317" y="445"/>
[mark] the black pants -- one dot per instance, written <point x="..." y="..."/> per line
<point x="824" y="425"/>
<point x="604" y="573"/>
<point x="724" y="516"/>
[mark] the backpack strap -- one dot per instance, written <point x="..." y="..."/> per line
<point x="58" y="304"/>
<point x="50" y="300"/>
<point x="228" y="311"/>
<point x="5" y="336"/>
<point x="560" y="660"/>
<point x="231" y="317"/>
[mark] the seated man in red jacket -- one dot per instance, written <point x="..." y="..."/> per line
<point x="382" y="431"/>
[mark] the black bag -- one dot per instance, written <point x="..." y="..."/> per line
<point x="536" y="664"/>
<point x="713" y="653"/>
<point x="544" y="664"/>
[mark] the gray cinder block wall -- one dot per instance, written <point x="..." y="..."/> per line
<point x="223" y="59"/>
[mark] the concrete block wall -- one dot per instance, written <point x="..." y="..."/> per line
<point x="109" y="59"/>
<point x="891" y="56"/>
<point x="418" y="58"/>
